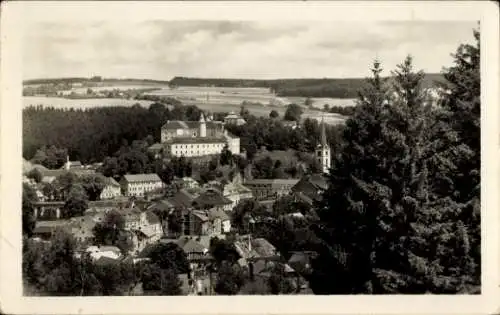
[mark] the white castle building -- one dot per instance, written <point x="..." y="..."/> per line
<point x="197" y="138"/>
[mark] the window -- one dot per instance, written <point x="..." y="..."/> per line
<point x="187" y="229"/>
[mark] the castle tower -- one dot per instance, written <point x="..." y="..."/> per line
<point x="323" y="152"/>
<point x="203" y="126"/>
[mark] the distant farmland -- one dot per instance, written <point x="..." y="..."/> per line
<point x="325" y="88"/>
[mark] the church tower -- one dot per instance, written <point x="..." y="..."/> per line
<point x="67" y="165"/>
<point x="323" y="153"/>
<point x="203" y="126"/>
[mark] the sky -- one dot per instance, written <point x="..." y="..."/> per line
<point x="162" y="49"/>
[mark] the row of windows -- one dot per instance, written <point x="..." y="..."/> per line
<point x="197" y="145"/>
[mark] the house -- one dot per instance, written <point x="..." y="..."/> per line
<point x="213" y="222"/>
<point x="82" y="228"/>
<point x="221" y="222"/>
<point x="234" y="119"/>
<point x="111" y="189"/>
<point x="45" y="229"/>
<point x="184" y="198"/>
<point x="194" y="139"/>
<point x="49" y="176"/>
<point x="236" y="191"/>
<point x="196" y="249"/>
<point x="186" y="182"/>
<point x="107" y="205"/>
<point x="138" y="185"/>
<point x="212" y="198"/>
<point x="270" y="188"/>
<point x="143" y="228"/>
<point x="309" y="189"/>
<point x="252" y="250"/>
<point x="72" y="165"/>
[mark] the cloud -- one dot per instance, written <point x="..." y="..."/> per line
<point x="161" y="49"/>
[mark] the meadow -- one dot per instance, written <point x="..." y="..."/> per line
<point x="259" y="101"/>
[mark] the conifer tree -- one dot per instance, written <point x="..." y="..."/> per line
<point x="386" y="224"/>
<point x="460" y="124"/>
<point x="347" y="221"/>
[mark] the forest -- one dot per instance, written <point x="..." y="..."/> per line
<point x="93" y="134"/>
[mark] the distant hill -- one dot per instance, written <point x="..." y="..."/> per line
<point x="93" y="80"/>
<point x="327" y="87"/>
<point x="335" y="88"/>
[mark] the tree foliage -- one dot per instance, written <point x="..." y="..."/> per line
<point x="91" y="135"/>
<point x="230" y="279"/>
<point x="169" y="256"/>
<point x="385" y="226"/>
<point x="76" y="202"/>
<point x="293" y="113"/>
<point x="278" y="282"/>
<point x="274" y="114"/>
<point x="28" y="215"/>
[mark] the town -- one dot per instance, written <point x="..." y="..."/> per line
<point x="127" y="220"/>
<point x="177" y="197"/>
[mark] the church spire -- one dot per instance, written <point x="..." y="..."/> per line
<point x="323" y="140"/>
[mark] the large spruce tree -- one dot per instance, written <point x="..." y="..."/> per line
<point x="347" y="224"/>
<point x="401" y="212"/>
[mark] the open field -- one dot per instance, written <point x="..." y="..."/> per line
<point x="235" y="96"/>
<point x="59" y="102"/>
<point x="260" y="101"/>
<point x="83" y="90"/>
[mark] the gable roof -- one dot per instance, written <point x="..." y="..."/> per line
<point x="51" y="226"/>
<point x="309" y="188"/>
<point x="156" y="146"/>
<point x="162" y="205"/>
<point x="131" y="214"/>
<point x="107" y="248"/>
<point x="178" y="124"/>
<point x="52" y="173"/>
<point x="182" y="199"/>
<point x="201" y="215"/>
<point x="263" y="247"/>
<point x="191" y="246"/>
<point x="190" y="140"/>
<point x="272" y="182"/>
<point x="217" y="214"/>
<point x="152" y="177"/>
<point x="110" y="181"/>
<point x="319" y="181"/>
<point x="104" y="260"/>
<point x="211" y="197"/>
<point x="152" y="218"/>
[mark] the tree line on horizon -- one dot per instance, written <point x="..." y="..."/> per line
<point x="325" y="87"/>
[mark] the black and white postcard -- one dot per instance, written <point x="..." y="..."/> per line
<point x="249" y="157"/>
